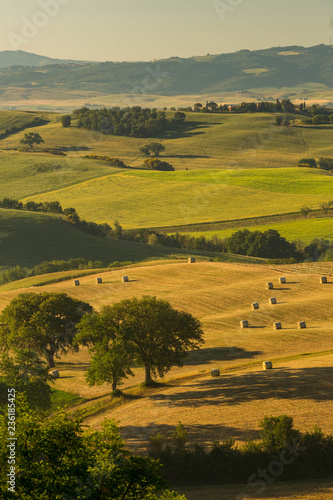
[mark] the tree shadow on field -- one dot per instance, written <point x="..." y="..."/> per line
<point x="137" y="436"/>
<point x="207" y="355"/>
<point x="187" y="129"/>
<point x="314" y="384"/>
<point x="73" y="148"/>
<point x="187" y="156"/>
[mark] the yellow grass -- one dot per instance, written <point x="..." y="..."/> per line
<point x="220" y="294"/>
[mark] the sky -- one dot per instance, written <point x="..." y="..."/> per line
<point x="133" y="30"/>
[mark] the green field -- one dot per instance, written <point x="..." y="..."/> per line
<point x="142" y="199"/>
<point x="27" y="174"/>
<point x="305" y="230"/>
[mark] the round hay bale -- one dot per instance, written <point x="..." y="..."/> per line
<point x="269" y="286"/>
<point x="244" y="324"/>
<point x="282" y="281"/>
<point x="125" y="279"/>
<point x="76" y="282"/>
<point x="99" y="280"/>
<point x="272" y="300"/>
<point x="191" y="260"/>
<point x="323" y="279"/>
<point x="255" y="305"/>
<point x="301" y="324"/>
<point x="215" y="372"/>
<point x="267" y="365"/>
<point x="277" y="326"/>
<point x="54" y="373"/>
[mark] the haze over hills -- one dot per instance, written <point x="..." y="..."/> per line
<point x="275" y="67"/>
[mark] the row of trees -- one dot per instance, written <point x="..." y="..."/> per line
<point x="148" y="332"/>
<point x="284" y="106"/>
<point x="131" y="121"/>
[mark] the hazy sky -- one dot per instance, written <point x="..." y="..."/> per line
<point x="117" y="30"/>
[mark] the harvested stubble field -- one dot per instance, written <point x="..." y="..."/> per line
<point x="219" y="294"/>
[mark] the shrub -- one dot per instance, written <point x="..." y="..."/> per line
<point x="156" y="164"/>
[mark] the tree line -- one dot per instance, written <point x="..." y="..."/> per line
<point x="130" y="121"/>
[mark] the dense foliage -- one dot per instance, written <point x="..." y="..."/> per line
<point x="45" y="323"/>
<point x="267" y="244"/>
<point x="156" y="164"/>
<point x="56" y="460"/>
<point x="134" y="121"/>
<point x="147" y="332"/>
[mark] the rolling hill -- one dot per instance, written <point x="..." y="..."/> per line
<point x="243" y="70"/>
<point x="27" y="239"/>
<point x="21" y="58"/>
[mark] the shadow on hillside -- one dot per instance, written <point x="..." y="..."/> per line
<point x="306" y="383"/>
<point x="219" y="354"/>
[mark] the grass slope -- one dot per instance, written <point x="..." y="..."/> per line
<point x="28" y="238"/>
<point x="142" y="199"/>
<point x="19" y="119"/>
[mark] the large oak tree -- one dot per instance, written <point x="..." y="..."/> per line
<point x="45" y="323"/>
<point x="146" y="331"/>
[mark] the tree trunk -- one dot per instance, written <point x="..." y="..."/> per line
<point x="148" y="376"/>
<point x="114" y="385"/>
<point x="49" y="358"/>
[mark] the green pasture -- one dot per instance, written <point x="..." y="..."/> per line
<point x="301" y="229"/>
<point x="206" y="141"/>
<point x="27" y="174"/>
<point x="156" y="199"/>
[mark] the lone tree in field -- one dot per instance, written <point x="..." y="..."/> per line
<point x="157" y="335"/>
<point x="31" y="138"/>
<point x="154" y="148"/>
<point x="103" y="334"/>
<point x="45" y="323"/>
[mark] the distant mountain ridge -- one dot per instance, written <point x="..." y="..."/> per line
<point x="277" y="67"/>
<point x="20" y="58"/>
